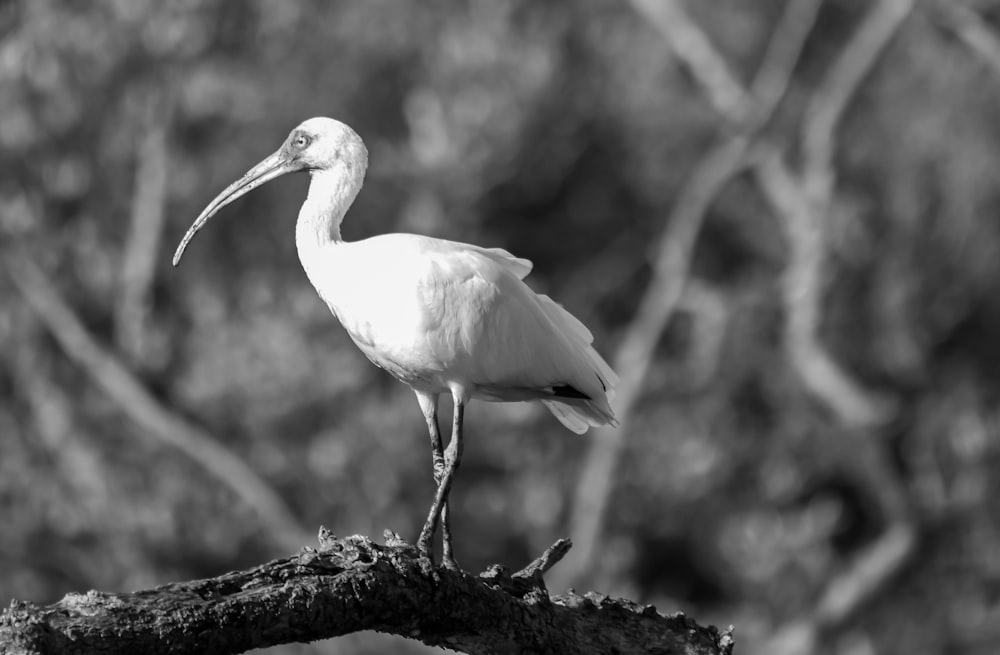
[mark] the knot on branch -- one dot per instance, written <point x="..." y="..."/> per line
<point x="527" y="584"/>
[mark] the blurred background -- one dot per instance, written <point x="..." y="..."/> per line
<point x="779" y="219"/>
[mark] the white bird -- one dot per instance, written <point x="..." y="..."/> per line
<point x="440" y="316"/>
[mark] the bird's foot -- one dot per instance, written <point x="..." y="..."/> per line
<point x="424" y="543"/>
<point x="425" y="548"/>
<point x="449" y="562"/>
<point x="448" y="552"/>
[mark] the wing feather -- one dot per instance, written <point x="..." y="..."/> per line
<point x="487" y="328"/>
<point x="518" y="266"/>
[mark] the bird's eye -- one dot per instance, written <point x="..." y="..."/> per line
<point x="301" y="141"/>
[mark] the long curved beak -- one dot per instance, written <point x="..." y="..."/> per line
<point x="274" y="166"/>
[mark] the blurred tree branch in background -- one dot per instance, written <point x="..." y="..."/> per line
<point x="148" y="211"/>
<point x="138" y="404"/>
<point x="716" y="168"/>
<point x="52" y="411"/>
<point x="973" y="31"/>
<point x="804" y="205"/>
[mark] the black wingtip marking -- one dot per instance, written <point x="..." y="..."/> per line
<point x="566" y="391"/>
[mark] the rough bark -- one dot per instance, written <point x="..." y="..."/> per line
<point x="348" y="585"/>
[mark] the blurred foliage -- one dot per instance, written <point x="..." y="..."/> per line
<point x="563" y="132"/>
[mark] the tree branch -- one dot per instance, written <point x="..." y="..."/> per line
<point x="345" y="586"/>
<point x="773" y="77"/>
<point x="672" y="258"/>
<point x="149" y="198"/>
<point x="828" y="103"/>
<point x="88" y="481"/>
<point x="634" y="355"/>
<point x="722" y="88"/>
<point x="972" y="31"/>
<point x="139" y="404"/>
<point x="803" y="204"/>
<point x="802" y="286"/>
<point x="862" y="579"/>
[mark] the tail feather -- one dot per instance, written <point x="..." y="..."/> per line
<point x="579" y="414"/>
<point x="567" y="416"/>
<point x="566" y="321"/>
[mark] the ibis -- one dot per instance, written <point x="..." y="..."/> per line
<point x="442" y="317"/>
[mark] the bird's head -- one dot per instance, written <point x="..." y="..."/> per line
<point x="320" y="144"/>
<point x="317" y="145"/>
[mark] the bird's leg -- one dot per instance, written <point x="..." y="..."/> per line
<point x="453" y="457"/>
<point x="428" y="406"/>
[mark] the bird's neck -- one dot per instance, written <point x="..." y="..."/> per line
<point x="331" y="193"/>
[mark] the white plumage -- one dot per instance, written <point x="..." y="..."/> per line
<point x="436" y="313"/>
<point x="440" y="316"/>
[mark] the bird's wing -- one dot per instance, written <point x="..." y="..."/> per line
<point x="444" y="250"/>
<point x="516" y="265"/>
<point x="513" y="344"/>
<point x="566" y="321"/>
